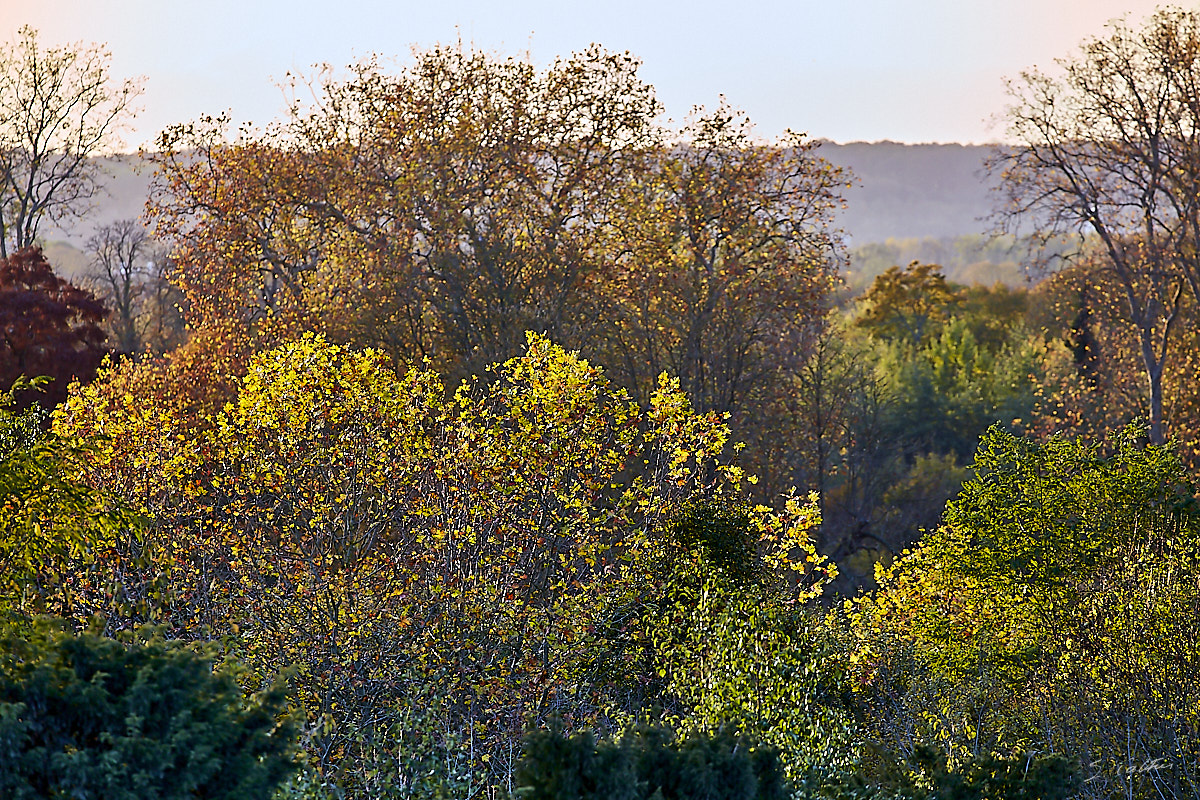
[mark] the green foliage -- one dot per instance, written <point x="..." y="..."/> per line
<point x="993" y="311"/>
<point x="953" y="388"/>
<point x="51" y="523"/>
<point x="20" y="430"/>
<point x="926" y="775"/>
<point x="736" y="642"/>
<point x="775" y="673"/>
<point x="139" y="719"/>
<point x="555" y="766"/>
<point x="894" y="410"/>
<point x="723" y="535"/>
<point x="647" y="761"/>
<point x="1056" y="609"/>
<point x="953" y="359"/>
<point x="1039" y="513"/>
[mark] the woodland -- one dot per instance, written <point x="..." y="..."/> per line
<point x="468" y="432"/>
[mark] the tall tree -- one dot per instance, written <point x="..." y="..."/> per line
<point x="908" y="305"/>
<point x="728" y="256"/>
<point x="444" y="211"/>
<point x="1110" y="147"/>
<point x="58" y="109"/>
<point x="441" y="212"/>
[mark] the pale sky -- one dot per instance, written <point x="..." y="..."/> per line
<point x="846" y="70"/>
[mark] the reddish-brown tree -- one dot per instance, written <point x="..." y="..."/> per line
<point x="48" y="326"/>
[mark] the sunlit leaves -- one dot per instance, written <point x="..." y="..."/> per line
<point x="51" y="525"/>
<point x="1059" y="596"/>
<point x="382" y="535"/>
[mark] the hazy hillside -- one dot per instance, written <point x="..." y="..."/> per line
<point x="126" y="181"/>
<point x="934" y="193"/>
<point x="909" y="191"/>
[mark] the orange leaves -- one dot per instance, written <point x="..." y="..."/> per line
<point x="439" y="212"/>
<point x="247" y="243"/>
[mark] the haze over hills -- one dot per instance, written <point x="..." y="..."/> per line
<point x="922" y="202"/>
<point x="126" y="183"/>
<point x="909" y="201"/>
<point x="912" y="190"/>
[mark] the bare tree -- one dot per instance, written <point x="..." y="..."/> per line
<point x="1110" y="148"/>
<point x="58" y="109"/>
<point x="119" y="274"/>
<point x="129" y="271"/>
<point x="162" y="304"/>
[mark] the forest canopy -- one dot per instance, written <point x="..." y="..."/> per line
<point x="471" y="432"/>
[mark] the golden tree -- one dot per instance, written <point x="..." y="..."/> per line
<point x="1110" y="147"/>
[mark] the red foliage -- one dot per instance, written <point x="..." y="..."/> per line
<point x="48" y="326"/>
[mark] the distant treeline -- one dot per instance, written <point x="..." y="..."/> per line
<point x="974" y="258"/>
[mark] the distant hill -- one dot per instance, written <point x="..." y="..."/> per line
<point x="126" y="180"/>
<point x="910" y="191"/>
<point x="913" y="201"/>
<point x="926" y="202"/>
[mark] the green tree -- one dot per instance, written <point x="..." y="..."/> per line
<point x="140" y="719"/>
<point x="729" y="628"/>
<point x="647" y="761"/>
<point x="892" y="403"/>
<point x="1056" y="609"/>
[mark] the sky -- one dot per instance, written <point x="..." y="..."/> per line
<point x="845" y="70"/>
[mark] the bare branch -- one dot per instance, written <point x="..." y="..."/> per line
<point x="58" y="109"/>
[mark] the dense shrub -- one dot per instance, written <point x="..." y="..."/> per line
<point x="647" y="762"/>
<point x="141" y="719"/>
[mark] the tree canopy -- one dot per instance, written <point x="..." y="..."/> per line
<point x="48" y="327"/>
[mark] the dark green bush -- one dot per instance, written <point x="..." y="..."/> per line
<point x="926" y="775"/>
<point x="722" y="534"/>
<point x="85" y="716"/>
<point x="647" y="762"/>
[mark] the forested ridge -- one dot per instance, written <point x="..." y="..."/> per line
<point x="470" y="432"/>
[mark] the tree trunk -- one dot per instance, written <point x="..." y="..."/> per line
<point x="1154" y="371"/>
